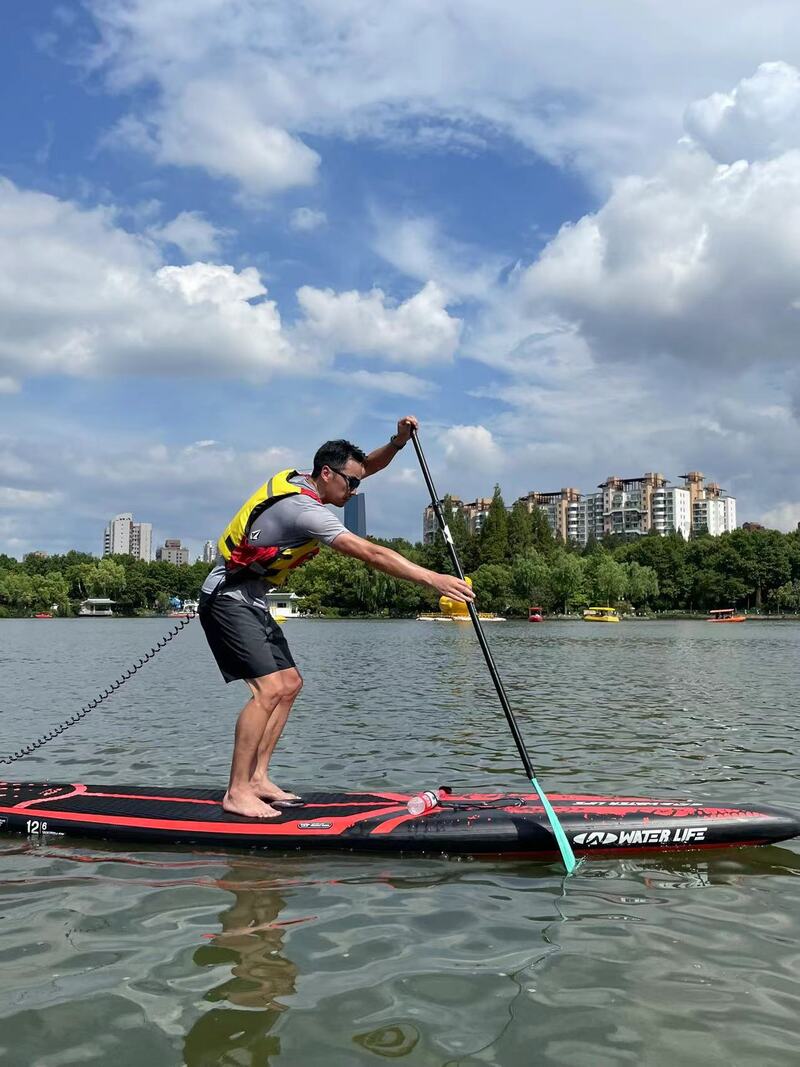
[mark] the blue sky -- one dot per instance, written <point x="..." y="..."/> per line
<point x="568" y="240"/>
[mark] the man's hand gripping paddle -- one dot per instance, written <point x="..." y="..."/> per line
<point x="558" y="831"/>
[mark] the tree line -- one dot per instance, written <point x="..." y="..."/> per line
<point x="514" y="562"/>
<point x="60" y="583"/>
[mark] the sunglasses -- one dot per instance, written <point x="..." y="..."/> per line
<point x="352" y="482"/>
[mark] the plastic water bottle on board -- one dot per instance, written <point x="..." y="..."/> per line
<point x="422" y="802"/>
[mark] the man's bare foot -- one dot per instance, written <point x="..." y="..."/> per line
<point x="263" y="787"/>
<point x="246" y="802"/>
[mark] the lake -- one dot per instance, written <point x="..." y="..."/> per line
<point x="150" y="955"/>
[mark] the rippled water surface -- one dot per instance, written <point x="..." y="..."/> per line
<point x="150" y="956"/>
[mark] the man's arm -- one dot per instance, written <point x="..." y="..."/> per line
<point x="383" y="455"/>
<point x="390" y="562"/>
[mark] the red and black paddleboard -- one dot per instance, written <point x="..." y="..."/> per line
<point x="469" y="824"/>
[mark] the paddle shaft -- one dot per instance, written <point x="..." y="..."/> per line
<point x="473" y="614"/>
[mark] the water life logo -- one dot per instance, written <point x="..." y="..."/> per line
<point x="596" y="837"/>
<point x="314" y="825"/>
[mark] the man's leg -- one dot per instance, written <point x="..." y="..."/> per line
<point x="262" y="784"/>
<point x="268" y="692"/>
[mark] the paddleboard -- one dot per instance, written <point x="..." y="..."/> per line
<point x="475" y="824"/>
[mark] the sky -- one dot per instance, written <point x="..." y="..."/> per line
<point x="566" y="237"/>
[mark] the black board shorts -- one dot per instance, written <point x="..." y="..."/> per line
<point x="246" y="640"/>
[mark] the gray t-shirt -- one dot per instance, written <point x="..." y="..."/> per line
<point x="288" y="522"/>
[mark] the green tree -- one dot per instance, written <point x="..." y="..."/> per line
<point x="492" y="585"/>
<point x="530" y="581"/>
<point x="567" y="581"/>
<point x="494" y="533"/>
<point x="607" y="579"/>
<point x="641" y="583"/>
<point x="519" y="532"/>
<point x="542" y="537"/>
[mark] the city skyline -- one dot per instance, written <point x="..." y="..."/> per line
<point x="624" y="506"/>
<point x="596" y="263"/>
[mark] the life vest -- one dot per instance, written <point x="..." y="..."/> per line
<point x="271" y="562"/>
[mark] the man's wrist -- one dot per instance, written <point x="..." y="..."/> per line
<point x="393" y="442"/>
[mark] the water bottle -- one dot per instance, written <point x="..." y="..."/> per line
<point x="422" y="802"/>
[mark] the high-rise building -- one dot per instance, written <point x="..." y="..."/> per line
<point x="627" y="503"/>
<point x="713" y="511"/>
<point x="355" y="515"/>
<point x="671" y="511"/>
<point x="209" y="552"/>
<point x="173" y="552"/>
<point x="125" y="537"/>
<point x="474" y="516"/>
<point x="555" y="506"/>
<point x="585" y="518"/>
<point x="625" y="507"/>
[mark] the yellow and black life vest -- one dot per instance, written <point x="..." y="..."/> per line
<point x="271" y="562"/>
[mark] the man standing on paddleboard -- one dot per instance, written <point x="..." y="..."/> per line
<point x="280" y="527"/>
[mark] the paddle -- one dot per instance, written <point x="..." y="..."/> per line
<point x="558" y="831"/>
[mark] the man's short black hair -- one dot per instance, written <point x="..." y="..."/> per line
<point x="336" y="454"/>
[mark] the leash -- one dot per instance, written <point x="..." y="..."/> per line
<point x="56" y="731"/>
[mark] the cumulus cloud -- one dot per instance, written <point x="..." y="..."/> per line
<point x="306" y="219"/>
<point x="81" y="296"/>
<point x="192" y="233"/>
<point x="784" y="516"/>
<point x="472" y="447"/>
<point x="418" y="331"/>
<point x="235" y="88"/>
<point x="758" y="119"/>
<point x="213" y="125"/>
<point x="700" y="262"/>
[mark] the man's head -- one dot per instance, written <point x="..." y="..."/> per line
<point x="336" y="464"/>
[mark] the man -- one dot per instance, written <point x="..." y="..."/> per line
<point x="277" y="529"/>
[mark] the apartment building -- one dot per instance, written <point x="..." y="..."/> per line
<point x="555" y="506"/>
<point x="474" y="514"/>
<point x="626" y="507"/>
<point x="712" y="509"/>
<point x="671" y="511"/>
<point x="173" y="552"/>
<point x="585" y="518"/>
<point x="209" y="552"/>
<point x="627" y="503"/>
<point x="124" y="537"/>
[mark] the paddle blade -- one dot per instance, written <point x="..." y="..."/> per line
<point x="567" y="855"/>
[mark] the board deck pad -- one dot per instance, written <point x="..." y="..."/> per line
<point x="513" y="824"/>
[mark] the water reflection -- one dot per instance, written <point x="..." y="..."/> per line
<point x="251" y="947"/>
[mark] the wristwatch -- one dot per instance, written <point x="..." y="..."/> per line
<point x="394" y="443"/>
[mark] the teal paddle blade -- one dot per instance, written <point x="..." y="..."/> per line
<point x="567" y="855"/>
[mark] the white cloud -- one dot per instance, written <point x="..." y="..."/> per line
<point x="397" y="383"/>
<point x="81" y="296"/>
<point x="192" y="233"/>
<point x="234" y="87"/>
<point x="471" y="447"/>
<point x="758" y="119"/>
<point x="784" y="516"/>
<point x="306" y="219"/>
<point x="28" y="498"/>
<point x="209" y="124"/>
<point x="701" y="263"/>
<point x="418" y="331"/>
<point x="417" y="247"/>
